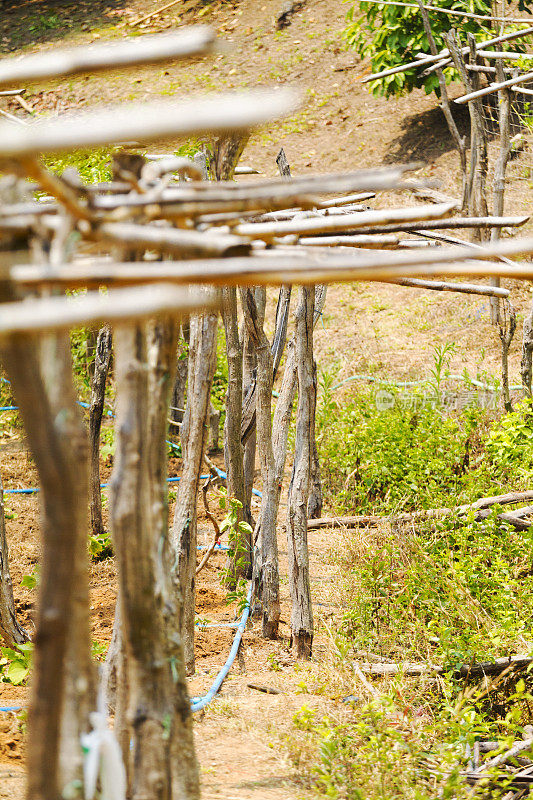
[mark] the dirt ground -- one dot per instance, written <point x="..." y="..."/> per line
<point x="380" y="329"/>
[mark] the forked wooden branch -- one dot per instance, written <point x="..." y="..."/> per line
<point x="211" y="549"/>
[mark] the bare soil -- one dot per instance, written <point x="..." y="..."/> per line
<point x="366" y="328"/>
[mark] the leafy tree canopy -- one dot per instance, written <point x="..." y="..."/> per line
<point x="394" y="35"/>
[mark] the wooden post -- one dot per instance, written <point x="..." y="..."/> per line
<point x="268" y="570"/>
<point x="477" y="203"/>
<point x="283" y="164"/>
<point x="459" y="140"/>
<point x="58" y="451"/>
<point x="504" y="109"/>
<point x="527" y="353"/>
<point x="248" y="423"/>
<point x="163" y="761"/>
<point x="507" y="327"/>
<point x="102" y="359"/>
<point x="10" y="630"/>
<point x="202" y="359"/>
<point x="316" y="499"/>
<point x="481" y="139"/>
<point x="233" y="449"/>
<point x="298" y="556"/>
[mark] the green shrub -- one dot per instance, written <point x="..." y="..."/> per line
<point x="378" y="461"/>
<point x="393" y="35"/>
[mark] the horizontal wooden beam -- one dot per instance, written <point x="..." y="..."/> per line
<point x="494" y="87"/>
<point x="461" y="288"/>
<point x="345" y="222"/>
<point x="272" y="268"/>
<point x="93" y="308"/>
<point x="146" y="122"/>
<point x="132" y="52"/>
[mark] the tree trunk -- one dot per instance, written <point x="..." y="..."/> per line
<point x="283" y="411"/>
<point x="164" y="764"/>
<point x="177" y="401"/>
<point x="62" y="690"/>
<point x="316" y="499"/>
<point x="527" y="353"/>
<point x="202" y="359"/>
<point x="60" y="458"/>
<point x="233" y="450"/>
<point x="80" y="677"/>
<point x="11" y="632"/>
<point x="227" y="151"/>
<point x="298" y="556"/>
<point x="100" y="369"/>
<point x="268" y="570"/>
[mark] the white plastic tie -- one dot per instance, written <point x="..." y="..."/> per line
<point x="103" y="759"/>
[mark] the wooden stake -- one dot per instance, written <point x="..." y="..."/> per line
<point x="298" y="556"/>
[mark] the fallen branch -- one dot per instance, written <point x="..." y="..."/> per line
<point x="265" y="689"/>
<point x="474" y="670"/>
<point x="433" y="513"/>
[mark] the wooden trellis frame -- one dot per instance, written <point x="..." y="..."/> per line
<point x="218" y="248"/>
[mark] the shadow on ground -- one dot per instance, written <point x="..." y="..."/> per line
<point x="33" y="22"/>
<point x="425" y="136"/>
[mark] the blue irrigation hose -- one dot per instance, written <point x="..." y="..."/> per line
<point x="87" y="405"/>
<point x="198" y="703"/>
<point x="102" y="486"/>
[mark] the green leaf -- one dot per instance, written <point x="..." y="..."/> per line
<point x="16" y="673"/>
